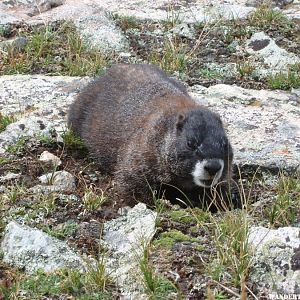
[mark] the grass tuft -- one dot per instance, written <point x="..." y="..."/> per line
<point x="264" y="17"/>
<point x="284" y="81"/>
<point x="55" y="50"/>
<point x="285" y="209"/>
<point x="156" y="286"/>
<point x="5" y="121"/>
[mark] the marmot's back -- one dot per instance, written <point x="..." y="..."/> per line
<point x="112" y="108"/>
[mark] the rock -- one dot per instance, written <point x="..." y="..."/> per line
<point x="38" y="98"/>
<point x="61" y="180"/>
<point x="32" y="249"/>
<point x="263" y="125"/>
<point x="17" y="44"/>
<point x="126" y="238"/>
<point x="9" y="176"/>
<point x="276" y="261"/>
<point x="25" y="127"/>
<point x="49" y="157"/>
<point x="183" y="30"/>
<point x="263" y="47"/>
<point x="38" y="93"/>
<point x="6" y="19"/>
<point x="33" y="7"/>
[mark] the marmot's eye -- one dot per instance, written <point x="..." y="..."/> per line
<point x="191" y="145"/>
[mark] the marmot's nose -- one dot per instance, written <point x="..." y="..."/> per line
<point x="212" y="167"/>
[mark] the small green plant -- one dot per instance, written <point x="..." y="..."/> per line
<point x="96" y="277"/>
<point x="14" y="193"/>
<point x="93" y="201"/>
<point x="264" y="17"/>
<point x="126" y="22"/>
<point x="73" y="284"/>
<point x="169" y="238"/>
<point x="245" y="68"/>
<point x="46" y="203"/>
<point x="211" y="74"/>
<point x="284" y="81"/>
<point x="5" y="121"/>
<point x="285" y="209"/>
<point x="18" y="147"/>
<point x="231" y="241"/>
<point x="74" y="143"/>
<point x="189" y="216"/>
<point x="172" y="56"/>
<point x="156" y="286"/>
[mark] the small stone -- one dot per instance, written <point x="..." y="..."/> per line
<point x="32" y="249"/>
<point x="9" y="176"/>
<point x="62" y="180"/>
<point x="49" y="157"/>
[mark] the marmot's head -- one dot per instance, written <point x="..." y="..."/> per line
<point x="200" y="153"/>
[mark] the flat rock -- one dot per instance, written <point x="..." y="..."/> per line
<point x="41" y="101"/>
<point x="264" y="126"/>
<point x="32" y="249"/>
<point x="186" y="11"/>
<point x="95" y="26"/>
<point x="276" y="260"/>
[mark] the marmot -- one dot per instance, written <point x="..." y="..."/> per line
<point x="144" y="128"/>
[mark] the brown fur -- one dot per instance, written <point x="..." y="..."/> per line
<point x="134" y="120"/>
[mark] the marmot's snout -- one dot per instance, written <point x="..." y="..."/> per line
<point x="208" y="172"/>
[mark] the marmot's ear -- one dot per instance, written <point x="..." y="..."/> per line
<point x="181" y="119"/>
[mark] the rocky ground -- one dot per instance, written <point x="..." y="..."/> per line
<point x="64" y="234"/>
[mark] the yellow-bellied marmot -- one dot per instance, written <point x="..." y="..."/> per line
<point x="145" y="129"/>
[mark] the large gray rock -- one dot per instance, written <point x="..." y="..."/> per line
<point x="33" y="249"/>
<point x="264" y="126"/>
<point x="126" y="237"/>
<point x="275" y="58"/>
<point x="43" y="102"/>
<point x="276" y="261"/>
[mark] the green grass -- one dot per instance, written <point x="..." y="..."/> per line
<point x="245" y="68"/>
<point x="5" y="121"/>
<point x="172" y="56"/>
<point x="55" y="50"/>
<point x="284" y="81"/>
<point x="284" y="210"/>
<point x="93" y="284"/>
<point x="93" y="201"/>
<point x="169" y="238"/>
<point x="189" y="216"/>
<point x="126" y="22"/>
<point x="156" y="286"/>
<point x="74" y="143"/>
<point x="265" y="17"/>
<point x="230" y="238"/>
<point x="18" y="147"/>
